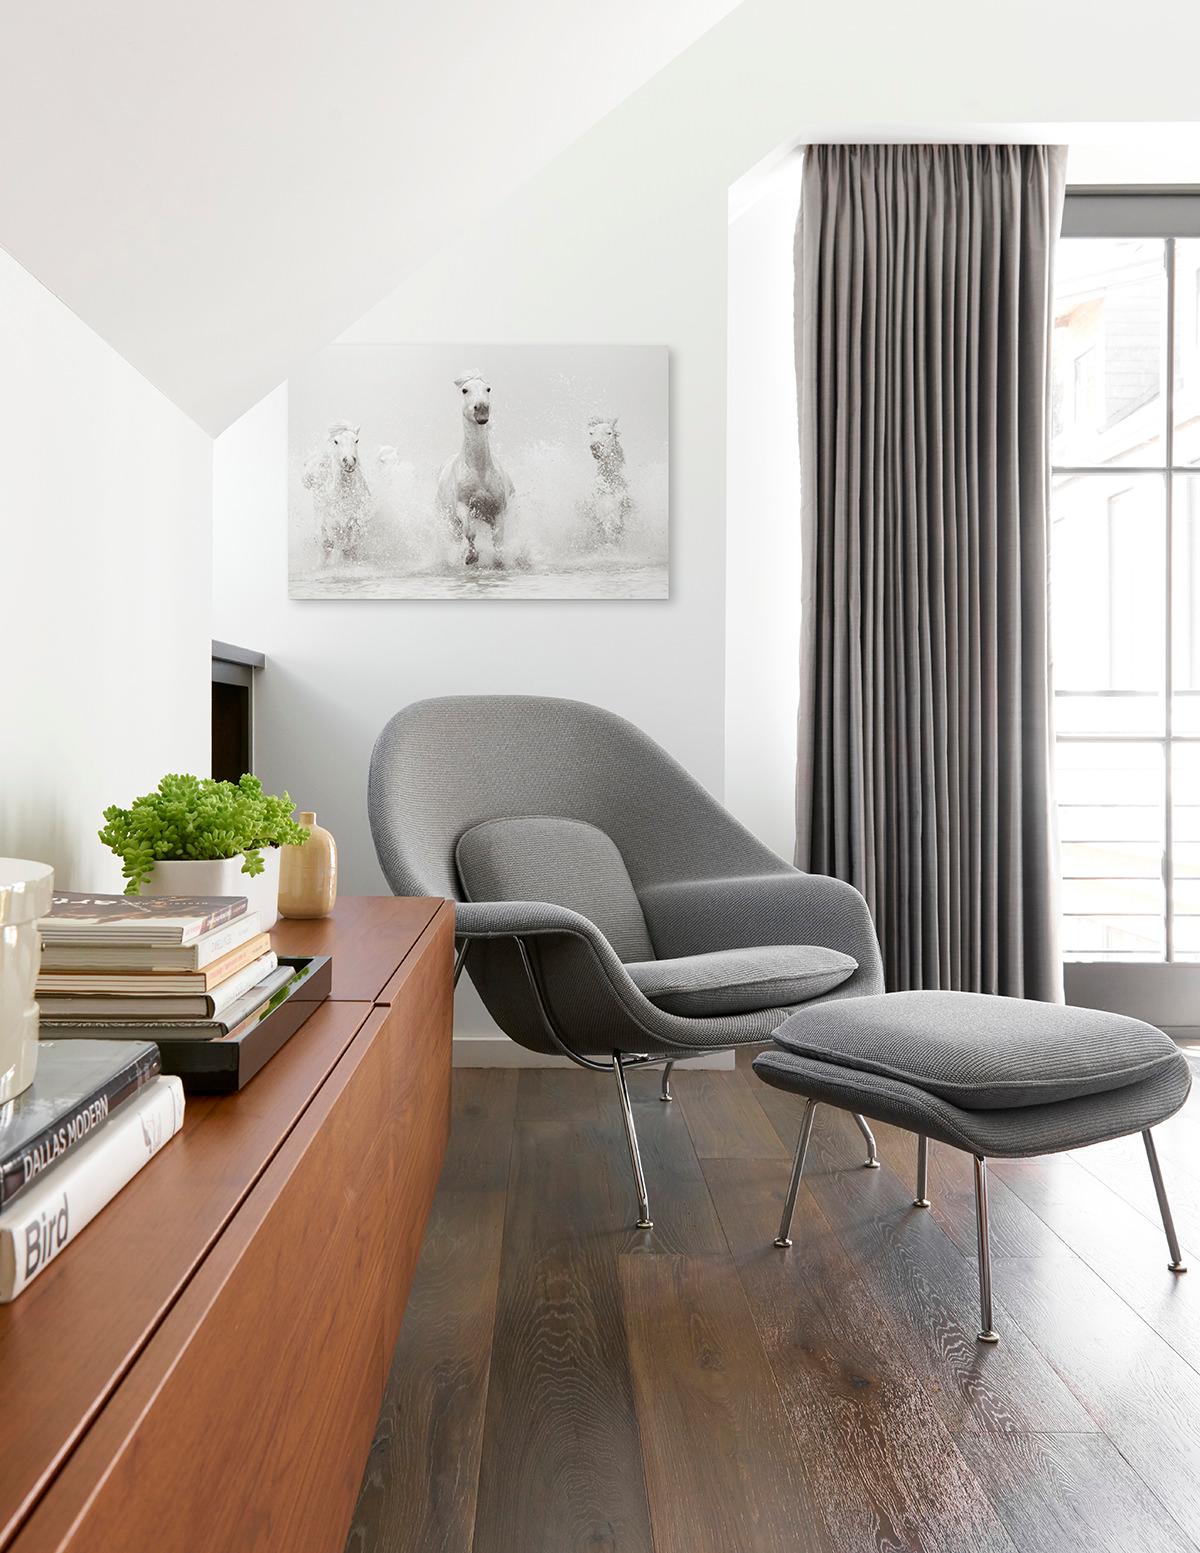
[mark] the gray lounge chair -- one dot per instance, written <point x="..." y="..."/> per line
<point x="613" y="911"/>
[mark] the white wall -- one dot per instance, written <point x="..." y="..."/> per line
<point x="105" y="586"/>
<point x="626" y="238"/>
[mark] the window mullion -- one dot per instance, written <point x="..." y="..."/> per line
<point x="1168" y="608"/>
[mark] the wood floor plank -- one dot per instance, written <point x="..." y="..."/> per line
<point x="721" y="1461"/>
<point x="565" y="1382"/>
<point x="1071" y="1493"/>
<point x="562" y="1466"/>
<point x="929" y="1290"/>
<point x="724" y="1115"/>
<point x="419" y="1487"/>
<point x="1127" y="1249"/>
<point x="1142" y="1395"/>
<point x="1122" y="1166"/>
<point x="880" y="1468"/>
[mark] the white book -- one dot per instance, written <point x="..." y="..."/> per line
<point x="76" y="954"/>
<point x="69" y="1195"/>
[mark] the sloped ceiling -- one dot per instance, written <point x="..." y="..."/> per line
<point x="220" y="189"/>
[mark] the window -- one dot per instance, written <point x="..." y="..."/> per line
<point x="1126" y="575"/>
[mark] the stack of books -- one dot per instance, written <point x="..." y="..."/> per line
<point x="163" y="967"/>
<point x="95" y="1113"/>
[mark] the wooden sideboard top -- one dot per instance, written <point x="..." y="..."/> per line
<point x="68" y="1340"/>
<point x="368" y="937"/>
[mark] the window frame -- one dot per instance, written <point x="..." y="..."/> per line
<point x="1166" y="991"/>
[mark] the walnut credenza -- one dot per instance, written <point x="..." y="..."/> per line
<point x="201" y="1371"/>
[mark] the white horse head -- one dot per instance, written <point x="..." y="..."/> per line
<point x="603" y="437"/>
<point x="476" y="397"/>
<point x="387" y="455"/>
<point x="343" y="445"/>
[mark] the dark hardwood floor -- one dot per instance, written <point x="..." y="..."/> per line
<point x="565" y="1383"/>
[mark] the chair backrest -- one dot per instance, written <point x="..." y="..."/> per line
<point x="564" y="862"/>
<point x="442" y="766"/>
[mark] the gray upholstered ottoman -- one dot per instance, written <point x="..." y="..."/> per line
<point x="991" y="1076"/>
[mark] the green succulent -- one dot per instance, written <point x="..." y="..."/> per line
<point x="189" y="817"/>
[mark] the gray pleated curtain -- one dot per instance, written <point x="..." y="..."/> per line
<point x="923" y="325"/>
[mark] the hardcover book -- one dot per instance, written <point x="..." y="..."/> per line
<point x="136" y="919"/>
<point x="130" y="1005"/>
<point x="121" y="979"/>
<point x="79" y="1084"/>
<point x="170" y="1029"/>
<point x="69" y="954"/>
<point x="66" y="1199"/>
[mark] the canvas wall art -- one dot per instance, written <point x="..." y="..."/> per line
<point x="479" y="471"/>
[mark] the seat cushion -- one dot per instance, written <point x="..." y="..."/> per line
<point x="565" y="862"/>
<point x="981" y="1053"/>
<point x="1011" y="1132"/>
<point x="736" y="981"/>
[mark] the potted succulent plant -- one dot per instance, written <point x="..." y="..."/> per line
<point x="194" y="836"/>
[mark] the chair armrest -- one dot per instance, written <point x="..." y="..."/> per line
<point x="698" y="916"/>
<point x="523" y="919"/>
<point x="591" y="997"/>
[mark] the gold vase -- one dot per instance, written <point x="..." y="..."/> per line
<point x="308" y="873"/>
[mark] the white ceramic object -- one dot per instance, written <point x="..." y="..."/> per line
<point x="222" y="876"/>
<point x="26" y="890"/>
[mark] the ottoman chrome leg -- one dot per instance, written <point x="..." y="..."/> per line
<point x="783" y="1239"/>
<point x="644" y="1220"/>
<point x="986" y="1334"/>
<point x="665" y="1092"/>
<point x="1176" y="1264"/>
<point x="921" y="1200"/>
<point x="872" y="1160"/>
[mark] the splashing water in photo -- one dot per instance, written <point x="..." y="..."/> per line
<point x="558" y="538"/>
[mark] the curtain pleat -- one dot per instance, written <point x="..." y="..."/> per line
<point x="923" y="322"/>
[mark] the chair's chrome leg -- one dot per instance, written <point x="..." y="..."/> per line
<point x="986" y="1334"/>
<point x="461" y="960"/>
<point x="783" y="1239"/>
<point x="872" y="1160"/>
<point x="644" y="1219"/>
<point x="665" y="1092"/>
<point x="1176" y="1264"/>
<point x="921" y="1200"/>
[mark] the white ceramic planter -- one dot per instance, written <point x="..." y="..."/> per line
<point x="26" y="890"/>
<point x="222" y="876"/>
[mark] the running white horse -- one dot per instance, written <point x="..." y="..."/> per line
<point x="340" y="494"/>
<point x="609" y="503"/>
<point x="473" y="491"/>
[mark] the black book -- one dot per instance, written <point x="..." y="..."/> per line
<point x="79" y="1084"/>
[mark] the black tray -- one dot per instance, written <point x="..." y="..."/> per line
<point x="226" y="1063"/>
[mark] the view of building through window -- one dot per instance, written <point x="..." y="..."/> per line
<point x="1126" y="595"/>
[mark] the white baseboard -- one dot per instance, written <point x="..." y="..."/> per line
<point x="497" y="1051"/>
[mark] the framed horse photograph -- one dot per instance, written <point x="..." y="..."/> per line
<point x="479" y="471"/>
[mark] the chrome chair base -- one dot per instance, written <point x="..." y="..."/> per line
<point x="644" y="1221"/>
<point x="921" y="1200"/>
<point x="872" y="1160"/>
<point x="987" y="1332"/>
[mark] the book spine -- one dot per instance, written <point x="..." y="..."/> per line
<point x="215" y="945"/>
<point x="244" y="954"/>
<point x="19" y="1170"/>
<point x="240" y="982"/>
<point x="215" y="918"/>
<point x="79" y="954"/>
<point x="69" y="1197"/>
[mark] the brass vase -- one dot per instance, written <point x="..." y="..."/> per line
<point x="308" y="873"/>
